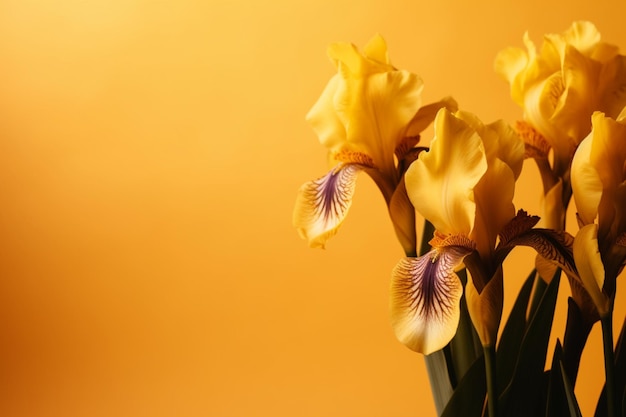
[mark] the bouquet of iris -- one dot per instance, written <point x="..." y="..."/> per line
<point x="447" y="291"/>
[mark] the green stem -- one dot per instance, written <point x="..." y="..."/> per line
<point x="609" y="364"/>
<point x="490" y="371"/>
<point x="437" y="369"/>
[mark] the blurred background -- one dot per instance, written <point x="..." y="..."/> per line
<point x="150" y="155"/>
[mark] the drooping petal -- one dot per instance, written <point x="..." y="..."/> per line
<point x="441" y="182"/>
<point x="554" y="245"/>
<point x="590" y="267"/>
<point x="322" y="204"/>
<point x="425" y="294"/>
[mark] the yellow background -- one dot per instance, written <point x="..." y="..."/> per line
<point x="150" y="154"/>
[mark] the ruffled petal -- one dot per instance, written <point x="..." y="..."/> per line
<point x="324" y="119"/>
<point x="510" y="62"/>
<point x="580" y="81"/>
<point x="590" y="267"/>
<point x="376" y="112"/>
<point x="425" y="294"/>
<point x="367" y="106"/>
<point x="612" y="83"/>
<point x="441" y="182"/>
<point x="322" y="204"/>
<point x="582" y="35"/>
<point x="541" y="101"/>
<point x="376" y="50"/>
<point x="510" y="149"/>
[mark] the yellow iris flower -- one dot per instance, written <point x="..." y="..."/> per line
<point x="561" y="85"/>
<point x="369" y="117"/>
<point x="599" y="185"/>
<point x="464" y="186"/>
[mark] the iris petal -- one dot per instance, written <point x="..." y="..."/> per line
<point x="586" y="183"/>
<point x="441" y="182"/>
<point x="590" y="267"/>
<point x="425" y="299"/>
<point x="322" y="204"/>
<point x="485" y="308"/>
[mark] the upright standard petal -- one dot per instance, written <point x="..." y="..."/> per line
<point x="367" y="106"/>
<point x="441" y="182"/>
<point x="425" y="294"/>
<point x="322" y="204"/>
<point x="598" y="174"/>
<point x="586" y="183"/>
<point x="494" y="206"/>
<point x="493" y="194"/>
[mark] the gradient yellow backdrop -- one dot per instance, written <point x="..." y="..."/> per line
<point x="150" y="154"/>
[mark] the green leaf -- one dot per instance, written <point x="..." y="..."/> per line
<point x="561" y="399"/>
<point x="574" y="409"/>
<point x="620" y="377"/>
<point x="523" y="396"/>
<point x="512" y="335"/>
<point x="469" y="396"/>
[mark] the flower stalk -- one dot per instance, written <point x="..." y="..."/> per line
<point x="492" y="386"/>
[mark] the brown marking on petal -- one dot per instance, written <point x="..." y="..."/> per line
<point x="535" y="145"/>
<point x="405" y="146"/>
<point x="554" y="245"/>
<point x="440" y="241"/>
<point x="621" y="240"/>
<point x="352" y="157"/>
<point x="521" y="223"/>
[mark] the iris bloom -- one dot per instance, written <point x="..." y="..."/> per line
<point x="559" y="87"/>
<point x="369" y="118"/>
<point x="464" y="186"/>
<point x="599" y="184"/>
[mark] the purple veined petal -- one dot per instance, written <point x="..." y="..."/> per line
<point x="322" y="204"/>
<point x="425" y="298"/>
